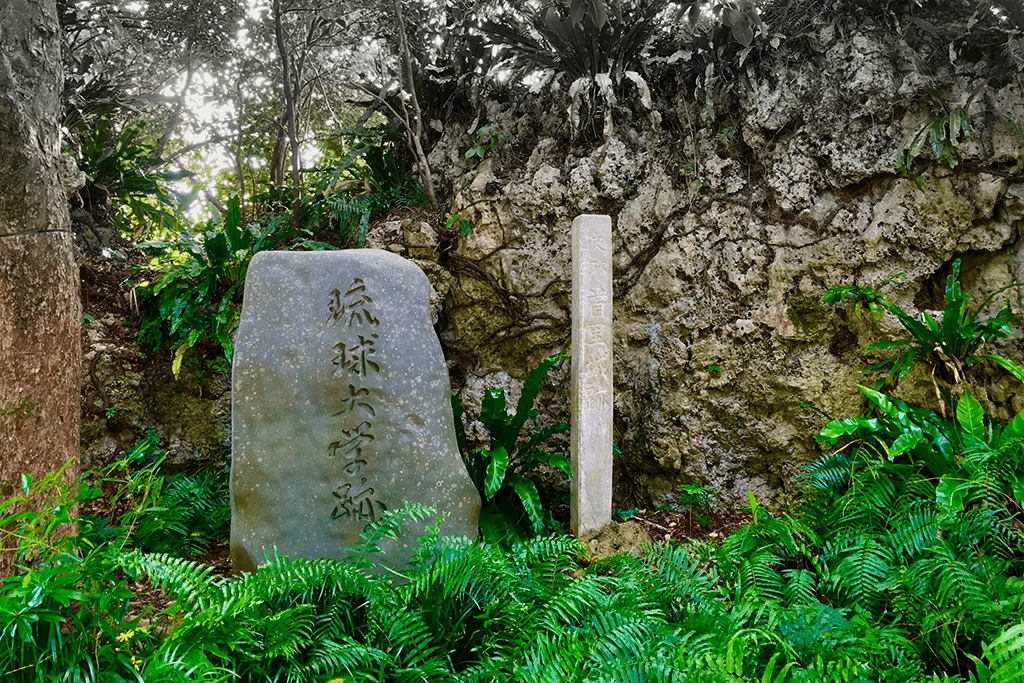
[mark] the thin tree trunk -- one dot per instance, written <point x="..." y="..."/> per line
<point x="40" y="312"/>
<point x="239" y="149"/>
<point x="279" y="156"/>
<point x="417" y="133"/>
<point x="289" y="109"/>
<point x="175" y="117"/>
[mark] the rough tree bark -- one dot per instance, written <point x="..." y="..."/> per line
<point x="40" y="312"/>
<point x="290" y="97"/>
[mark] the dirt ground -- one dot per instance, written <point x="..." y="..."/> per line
<point x="681" y="526"/>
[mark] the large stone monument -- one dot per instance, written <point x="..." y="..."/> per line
<point x="590" y="495"/>
<point x="341" y="407"/>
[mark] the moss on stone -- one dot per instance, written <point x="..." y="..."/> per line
<point x="186" y="406"/>
<point x="940" y="205"/>
<point x="808" y="314"/>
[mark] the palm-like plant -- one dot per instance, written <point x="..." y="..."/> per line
<point x="597" y="44"/>
<point x="581" y="38"/>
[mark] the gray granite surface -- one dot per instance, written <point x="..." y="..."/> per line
<point x="341" y="407"/>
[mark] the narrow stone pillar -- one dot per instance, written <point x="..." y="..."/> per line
<point x="590" y="498"/>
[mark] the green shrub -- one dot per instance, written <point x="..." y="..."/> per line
<point x="500" y="470"/>
<point x="194" y="298"/>
<point x="951" y="347"/>
<point x="940" y="134"/>
<point x="192" y="512"/>
<point x="920" y="519"/>
<point x="872" y="598"/>
<point x="64" y="613"/>
<point x="368" y="179"/>
<point x="122" y="163"/>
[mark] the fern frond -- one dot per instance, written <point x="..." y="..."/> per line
<point x="409" y="639"/>
<point x="346" y="658"/>
<point x="283" y="634"/>
<point x="185" y="579"/>
<point x="830" y="472"/>
<point x="1006" y="655"/>
<point x="550" y="659"/>
<point x="801" y="587"/>
<point x="915" y="532"/>
<point x="627" y="639"/>
<point x="676" y="580"/>
<point x="389" y="526"/>
<point x="863" y="571"/>
<point x="571" y="605"/>
<point x="757" y="578"/>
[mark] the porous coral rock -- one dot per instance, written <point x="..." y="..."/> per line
<point x="724" y="242"/>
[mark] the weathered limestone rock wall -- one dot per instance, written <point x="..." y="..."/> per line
<point x="127" y="390"/>
<point x="727" y="230"/>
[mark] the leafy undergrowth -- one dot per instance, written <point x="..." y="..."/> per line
<point x="904" y="563"/>
<point x="888" y="573"/>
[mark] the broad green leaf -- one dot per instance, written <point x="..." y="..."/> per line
<point x="909" y="148"/>
<point x="903" y="363"/>
<point x="530" y="390"/>
<point x="835" y="429"/>
<point x="179" y="356"/>
<point x="541" y="435"/>
<point x="917" y="329"/>
<point x="971" y="416"/>
<point x="225" y="341"/>
<point x="561" y="463"/>
<point x="178" y="312"/>
<point x="497" y="464"/>
<point x="753" y="503"/>
<point x="641" y="86"/>
<point x="951" y="491"/>
<point x="476" y="466"/>
<point x="493" y="416"/>
<point x="494" y="528"/>
<point x="882" y="402"/>
<point x="953" y="315"/>
<point x="904" y="443"/>
<point x="216" y="246"/>
<point x="238" y="237"/>
<point x="741" y="30"/>
<point x="527" y="492"/>
<point x="887" y="344"/>
<point x="1013" y="431"/>
<point x="942" y="147"/>
<point x="1018" y="490"/>
<point x="527" y="459"/>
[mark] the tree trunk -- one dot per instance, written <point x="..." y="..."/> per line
<point x="289" y="109"/>
<point x="279" y="157"/>
<point x="240" y="149"/>
<point x="415" y="133"/>
<point x="40" y="313"/>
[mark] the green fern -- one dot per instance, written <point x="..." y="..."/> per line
<point x="1005" y="655"/>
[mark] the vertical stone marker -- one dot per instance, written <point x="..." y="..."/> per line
<point x="341" y="407"/>
<point x="590" y="499"/>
